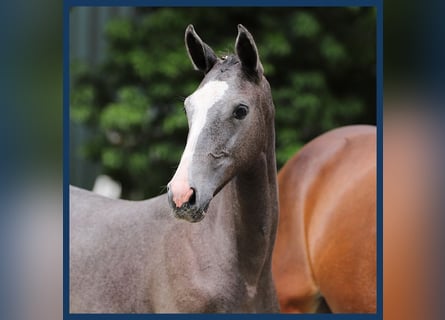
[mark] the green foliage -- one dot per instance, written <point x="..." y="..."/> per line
<point x="128" y="114"/>
<point x="320" y="63"/>
<point x="305" y="25"/>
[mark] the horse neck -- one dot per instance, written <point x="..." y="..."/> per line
<point x="250" y="203"/>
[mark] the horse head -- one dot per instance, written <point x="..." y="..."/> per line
<point x="228" y="117"/>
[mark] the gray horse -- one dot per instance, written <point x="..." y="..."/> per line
<point x="150" y="256"/>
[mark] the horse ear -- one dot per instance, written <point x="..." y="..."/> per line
<point x="247" y="52"/>
<point x="201" y="55"/>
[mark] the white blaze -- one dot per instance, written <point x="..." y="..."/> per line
<point x="198" y="105"/>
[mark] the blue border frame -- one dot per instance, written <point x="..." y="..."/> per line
<point x="379" y="100"/>
<point x="67" y="4"/>
<point x="66" y="158"/>
<point x="222" y="3"/>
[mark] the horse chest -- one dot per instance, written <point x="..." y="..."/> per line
<point x="211" y="289"/>
<point x="202" y="280"/>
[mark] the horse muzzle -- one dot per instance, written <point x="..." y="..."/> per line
<point x="190" y="209"/>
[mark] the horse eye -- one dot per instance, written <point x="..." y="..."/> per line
<point x="240" y="112"/>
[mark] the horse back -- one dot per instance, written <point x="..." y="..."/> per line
<point x="111" y="242"/>
<point x="326" y="243"/>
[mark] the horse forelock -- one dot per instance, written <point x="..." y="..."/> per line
<point x="229" y="60"/>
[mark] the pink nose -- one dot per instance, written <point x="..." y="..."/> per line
<point x="181" y="192"/>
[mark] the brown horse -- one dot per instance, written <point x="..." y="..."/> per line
<point x="206" y="245"/>
<point x="325" y="252"/>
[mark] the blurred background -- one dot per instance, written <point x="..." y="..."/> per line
<point x="130" y="73"/>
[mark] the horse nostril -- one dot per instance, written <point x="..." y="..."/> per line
<point x="192" y="199"/>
